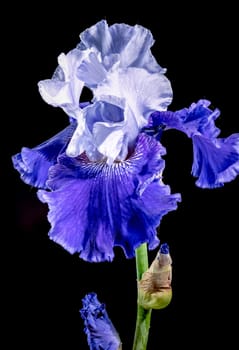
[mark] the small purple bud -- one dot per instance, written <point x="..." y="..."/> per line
<point x="164" y="248"/>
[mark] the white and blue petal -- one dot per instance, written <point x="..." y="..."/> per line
<point x="144" y="92"/>
<point x="129" y="45"/>
<point x="103" y="134"/>
<point x="122" y="106"/>
<point x="64" y="89"/>
<point x="116" y="63"/>
<point x="94" y="206"/>
<point x="91" y="70"/>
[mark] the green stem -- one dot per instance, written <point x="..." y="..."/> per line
<point x="143" y="316"/>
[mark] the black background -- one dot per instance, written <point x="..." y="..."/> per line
<point x="45" y="284"/>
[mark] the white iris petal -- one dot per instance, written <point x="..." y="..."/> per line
<point x="131" y="44"/>
<point x="65" y="88"/>
<point x="122" y="105"/>
<point x="127" y="83"/>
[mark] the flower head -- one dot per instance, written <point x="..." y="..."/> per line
<point x="102" y="176"/>
<point x="100" y="331"/>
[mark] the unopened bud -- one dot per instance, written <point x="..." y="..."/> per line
<point x="154" y="289"/>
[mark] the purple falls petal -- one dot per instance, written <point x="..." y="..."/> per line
<point x="99" y="329"/>
<point x="216" y="161"/>
<point x="33" y="164"/>
<point x="198" y="118"/>
<point x="94" y="206"/>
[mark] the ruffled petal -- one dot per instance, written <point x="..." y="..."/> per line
<point x="91" y="71"/>
<point x="121" y="108"/>
<point x="97" y="36"/>
<point x="129" y="45"/>
<point x="216" y="161"/>
<point x="64" y="89"/>
<point x="94" y="206"/>
<point x="133" y="44"/>
<point x="103" y="133"/>
<point x="33" y="164"/>
<point x="143" y="92"/>
<point x="108" y="142"/>
<point x="116" y="63"/>
<point x="99" y="329"/>
<point x="197" y="119"/>
<point x="55" y="93"/>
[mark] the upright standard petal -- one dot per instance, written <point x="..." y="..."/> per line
<point x="144" y="92"/>
<point x="64" y="89"/>
<point x="128" y="45"/>
<point x="116" y="63"/>
<point x="33" y="164"/>
<point x="94" y="206"/>
<point x="122" y="105"/>
<point x="216" y="160"/>
<point x="101" y="49"/>
<point x="101" y="334"/>
<point x="91" y="70"/>
<point x="103" y="135"/>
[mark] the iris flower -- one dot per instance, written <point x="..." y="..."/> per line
<point x="100" y="331"/>
<point x="102" y="176"/>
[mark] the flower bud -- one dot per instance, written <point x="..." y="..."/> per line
<point x="154" y="289"/>
<point x="99" y="329"/>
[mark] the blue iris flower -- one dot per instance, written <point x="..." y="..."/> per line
<point x="102" y="176"/>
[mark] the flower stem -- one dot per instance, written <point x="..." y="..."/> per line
<point x="143" y="316"/>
